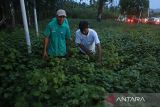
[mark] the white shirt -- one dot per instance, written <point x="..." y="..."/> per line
<point x="88" y="41"/>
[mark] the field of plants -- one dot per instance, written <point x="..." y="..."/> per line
<point x="131" y="63"/>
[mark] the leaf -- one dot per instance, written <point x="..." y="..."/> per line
<point x="36" y="93"/>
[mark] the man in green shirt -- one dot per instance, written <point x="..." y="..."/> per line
<point x="57" y="36"/>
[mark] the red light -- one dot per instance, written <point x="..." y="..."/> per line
<point x="145" y="20"/>
<point x="131" y="21"/>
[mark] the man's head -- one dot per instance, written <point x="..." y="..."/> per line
<point x="61" y="14"/>
<point x="83" y="26"/>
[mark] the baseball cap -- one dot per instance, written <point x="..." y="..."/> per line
<point x="61" y="12"/>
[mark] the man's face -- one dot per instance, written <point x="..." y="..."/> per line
<point x="60" y="19"/>
<point x="85" y="31"/>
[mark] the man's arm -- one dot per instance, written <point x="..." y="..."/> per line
<point x="88" y="52"/>
<point x="46" y="35"/>
<point x="45" y="53"/>
<point x="99" y="53"/>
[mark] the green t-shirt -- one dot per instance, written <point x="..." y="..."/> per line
<point x="57" y="35"/>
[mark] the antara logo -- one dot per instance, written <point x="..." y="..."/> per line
<point x="130" y="99"/>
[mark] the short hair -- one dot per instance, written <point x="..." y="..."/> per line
<point x="83" y="25"/>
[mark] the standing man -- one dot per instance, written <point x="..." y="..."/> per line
<point x="87" y="40"/>
<point x="57" y="36"/>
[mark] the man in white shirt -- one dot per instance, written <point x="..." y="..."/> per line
<point x="87" y="40"/>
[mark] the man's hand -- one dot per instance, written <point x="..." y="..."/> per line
<point x="88" y="52"/>
<point x="45" y="55"/>
<point x="69" y="53"/>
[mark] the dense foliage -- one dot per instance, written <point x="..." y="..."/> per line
<point x="131" y="63"/>
<point x="10" y="10"/>
<point x="134" y="7"/>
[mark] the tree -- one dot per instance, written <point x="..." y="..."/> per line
<point x="8" y="13"/>
<point x="2" y="16"/>
<point x="133" y="7"/>
<point x="100" y="8"/>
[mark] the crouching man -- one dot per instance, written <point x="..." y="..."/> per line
<point x="88" y="42"/>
